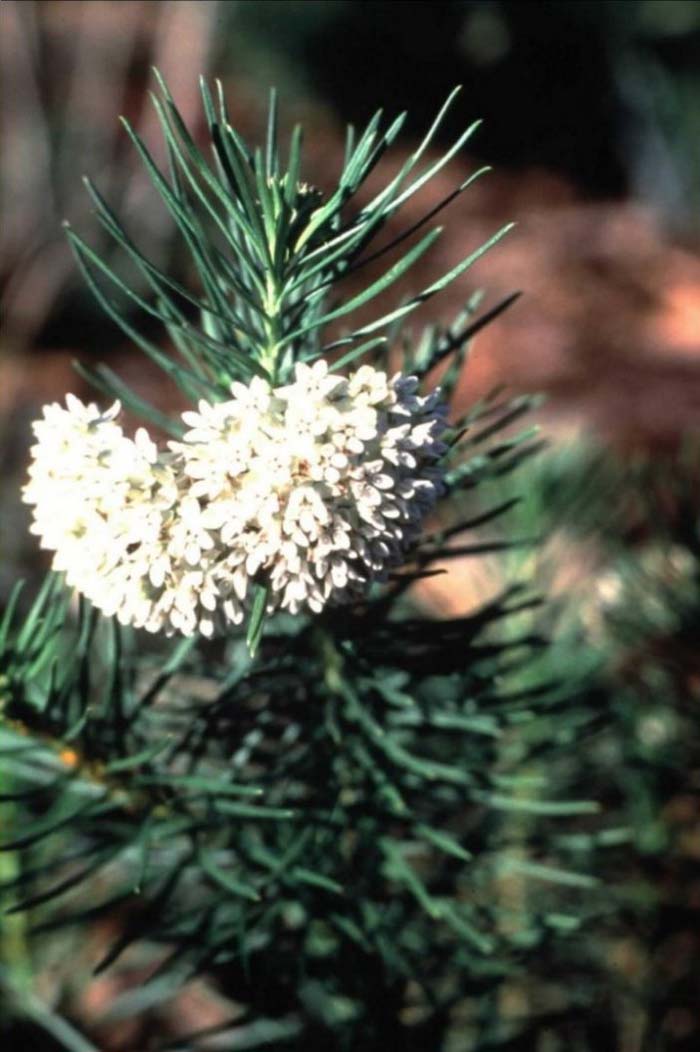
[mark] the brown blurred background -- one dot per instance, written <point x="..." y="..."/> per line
<point x="592" y="122"/>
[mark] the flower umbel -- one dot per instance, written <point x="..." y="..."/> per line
<point x="316" y="489"/>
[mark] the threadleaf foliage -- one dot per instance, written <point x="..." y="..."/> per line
<point x="332" y="814"/>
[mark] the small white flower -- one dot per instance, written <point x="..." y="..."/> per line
<point x="317" y="488"/>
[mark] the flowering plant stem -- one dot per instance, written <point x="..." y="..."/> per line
<point x="305" y="794"/>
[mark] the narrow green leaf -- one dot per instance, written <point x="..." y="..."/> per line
<point x="348" y="927"/>
<point x="397" y="868"/>
<point x="138" y="759"/>
<point x="552" y="808"/>
<point x="56" y="890"/>
<point x="433" y="169"/>
<point x="43" y="605"/>
<point x="430" y="770"/>
<point x="176" y="133"/>
<point x="253" y="811"/>
<point x="191" y="384"/>
<point x="9" y="613"/>
<point x="356" y="352"/>
<point x="207" y="102"/>
<point x="454" y="916"/>
<point x="390" y="190"/>
<point x="442" y="840"/>
<point x="352" y="171"/>
<point x="415" y="227"/>
<point x="539" y="871"/>
<point x="226" y="880"/>
<point x="448" y="278"/>
<point x="294" y="165"/>
<point x="472" y="524"/>
<point x="42" y="828"/>
<point x="458" y="340"/>
<point x="194" y="784"/>
<point x="317" y="880"/>
<point x="271" y="155"/>
<point x="256" y="619"/>
<point x="380" y="285"/>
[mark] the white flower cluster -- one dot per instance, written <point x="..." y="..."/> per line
<point x="316" y="488"/>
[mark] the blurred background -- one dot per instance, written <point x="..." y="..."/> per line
<point x="591" y="114"/>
